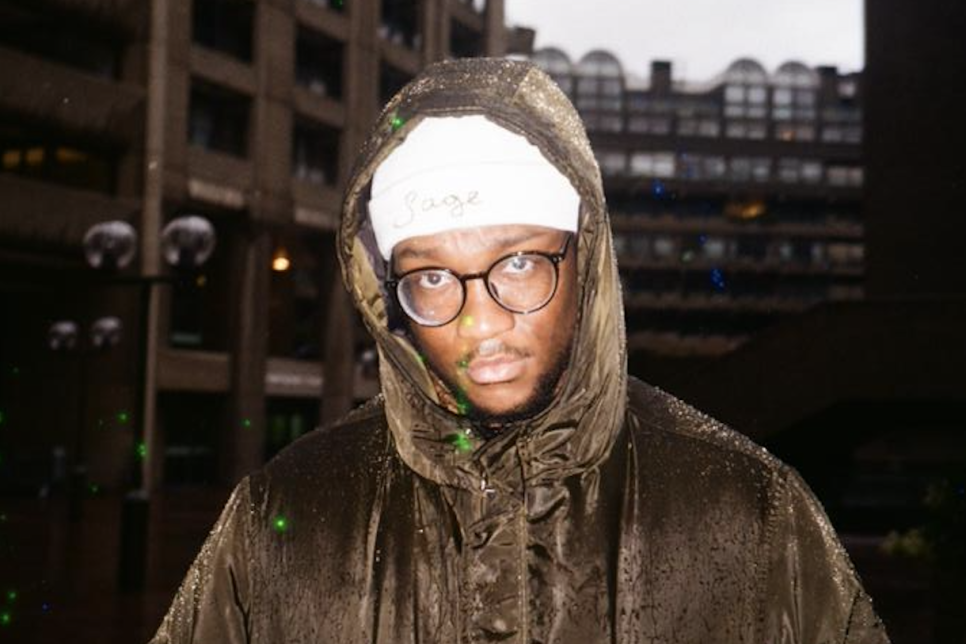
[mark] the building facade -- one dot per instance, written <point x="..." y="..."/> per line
<point x="247" y="112"/>
<point x="735" y="202"/>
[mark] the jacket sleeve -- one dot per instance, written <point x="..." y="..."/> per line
<point x="813" y="594"/>
<point x="214" y="601"/>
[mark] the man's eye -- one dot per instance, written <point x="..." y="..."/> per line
<point x="431" y="281"/>
<point x="520" y="264"/>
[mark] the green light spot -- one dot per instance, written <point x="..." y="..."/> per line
<point x="463" y="364"/>
<point x="461" y="442"/>
<point x="142" y="449"/>
<point x="123" y="417"/>
<point x="15" y="371"/>
<point x="3" y="518"/>
<point x="463" y="405"/>
<point x="12" y="596"/>
<point x="94" y="488"/>
<point x="246" y="423"/>
<point x="467" y="320"/>
<point x="5" y="618"/>
<point x="421" y="358"/>
<point x="280" y="524"/>
<point x="396" y="122"/>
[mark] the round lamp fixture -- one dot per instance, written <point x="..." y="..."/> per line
<point x="106" y="332"/>
<point x="110" y="245"/>
<point x="187" y="242"/>
<point x="62" y="335"/>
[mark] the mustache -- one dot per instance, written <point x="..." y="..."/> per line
<point x="493" y="347"/>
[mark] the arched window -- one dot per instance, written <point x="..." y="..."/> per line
<point x="557" y="65"/>
<point x="600" y="83"/>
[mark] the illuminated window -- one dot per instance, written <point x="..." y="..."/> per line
<point x="612" y="163"/>
<point x="299" y="296"/>
<point x="69" y="165"/>
<point x="656" y="164"/>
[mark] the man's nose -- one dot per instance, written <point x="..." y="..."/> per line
<point x="482" y="316"/>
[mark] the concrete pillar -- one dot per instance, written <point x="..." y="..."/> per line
<point x="244" y="438"/>
<point x="495" y="28"/>
<point x="361" y="96"/>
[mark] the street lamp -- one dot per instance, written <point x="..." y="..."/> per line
<point x="187" y="242"/>
<point x="110" y="245"/>
<point x="64" y="336"/>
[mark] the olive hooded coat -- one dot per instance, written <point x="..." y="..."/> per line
<point x="618" y="514"/>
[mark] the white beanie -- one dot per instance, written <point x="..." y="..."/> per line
<point x="455" y="172"/>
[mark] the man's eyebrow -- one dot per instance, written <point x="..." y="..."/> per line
<point x="508" y="241"/>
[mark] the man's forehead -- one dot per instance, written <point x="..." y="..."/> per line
<point x="481" y="238"/>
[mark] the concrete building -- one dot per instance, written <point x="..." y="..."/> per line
<point x="248" y="112"/>
<point x="735" y="201"/>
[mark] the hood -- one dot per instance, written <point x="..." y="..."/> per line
<point x="577" y="430"/>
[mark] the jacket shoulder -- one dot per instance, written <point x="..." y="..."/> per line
<point x="346" y="451"/>
<point x="656" y="415"/>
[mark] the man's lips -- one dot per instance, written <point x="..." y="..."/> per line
<point x="495" y="369"/>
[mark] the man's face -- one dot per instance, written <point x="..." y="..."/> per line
<point x="500" y="365"/>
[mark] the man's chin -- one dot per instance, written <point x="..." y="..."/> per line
<point x="509" y="411"/>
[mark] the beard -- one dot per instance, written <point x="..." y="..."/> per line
<point x="488" y="422"/>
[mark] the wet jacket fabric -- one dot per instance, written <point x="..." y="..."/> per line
<point x="618" y="514"/>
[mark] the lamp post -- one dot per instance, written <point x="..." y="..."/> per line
<point x="187" y="242"/>
<point x="64" y="336"/>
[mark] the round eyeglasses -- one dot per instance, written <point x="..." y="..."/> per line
<point x="521" y="282"/>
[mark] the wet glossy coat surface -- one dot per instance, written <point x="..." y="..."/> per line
<point x="618" y="515"/>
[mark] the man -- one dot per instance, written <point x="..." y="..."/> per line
<point x="511" y="483"/>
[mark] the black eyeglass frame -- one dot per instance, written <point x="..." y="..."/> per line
<point x="392" y="284"/>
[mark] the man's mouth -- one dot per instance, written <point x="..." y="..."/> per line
<point x="493" y="362"/>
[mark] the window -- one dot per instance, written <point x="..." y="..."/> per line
<point x="761" y="169"/>
<point x="740" y="169"/>
<point x="713" y="167"/>
<point x="657" y="164"/>
<point x="612" y="163"/>
<point x="218" y="119"/>
<point x="287" y="419"/>
<point x="299" y="294"/>
<point x="794" y="132"/>
<point x="465" y="42"/>
<point x="400" y="23"/>
<point x="319" y="63"/>
<point x="844" y="176"/>
<point x="335" y="5"/>
<point x="789" y="170"/>
<point x="649" y="125"/>
<point x="200" y="306"/>
<point x="190" y="424"/>
<point x="665" y="247"/>
<point x="86" y="49"/>
<point x="225" y="26"/>
<point x="846" y="254"/>
<point x="35" y="157"/>
<point x="315" y="152"/>
<point x="714" y="248"/>
<point x="811" y="172"/>
<point x="391" y="80"/>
